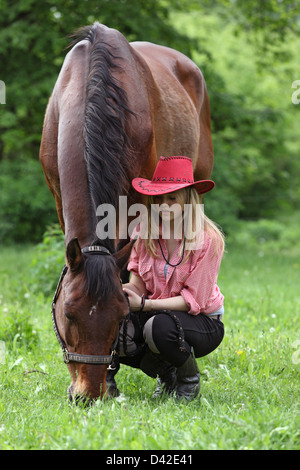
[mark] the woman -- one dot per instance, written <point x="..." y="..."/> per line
<point x="176" y="305"/>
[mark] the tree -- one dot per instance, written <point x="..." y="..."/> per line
<point x="34" y="36"/>
<point x="254" y="138"/>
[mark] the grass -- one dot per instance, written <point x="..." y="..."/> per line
<point x="249" y="386"/>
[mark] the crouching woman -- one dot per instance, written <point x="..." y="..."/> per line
<point x="176" y="305"/>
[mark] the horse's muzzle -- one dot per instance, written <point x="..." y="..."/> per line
<point x="80" y="398"/>
<point x="77" y="398"/>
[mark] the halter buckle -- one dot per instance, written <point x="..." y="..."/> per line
<point x="112" y="365"/>
<point x="66" y="356"/>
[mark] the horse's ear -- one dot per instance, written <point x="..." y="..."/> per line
<point x="122" y="256"/>
<point x="74" y="255"/>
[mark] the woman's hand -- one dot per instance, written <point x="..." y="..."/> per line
<point x="134" y="299"/>
<point x="172" y="303"/>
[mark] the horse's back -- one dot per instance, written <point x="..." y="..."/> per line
<point x="166" y="92"/>
<point x="181" y="104"/>
<point x="164" y="60"/>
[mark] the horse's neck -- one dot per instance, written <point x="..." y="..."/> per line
<point x="79" y="215"/>
<point x="78" y="211"/>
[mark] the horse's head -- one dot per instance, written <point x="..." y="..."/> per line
<point x="88" y="307"/>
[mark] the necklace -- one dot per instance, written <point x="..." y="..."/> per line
<point x="173" y="265"/>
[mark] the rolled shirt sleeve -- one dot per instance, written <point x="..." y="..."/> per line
<point x="133" y="264"/>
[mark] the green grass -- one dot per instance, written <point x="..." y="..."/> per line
<point x="249" y="386"/>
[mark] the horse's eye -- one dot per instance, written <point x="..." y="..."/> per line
<point x="69" y="316"/>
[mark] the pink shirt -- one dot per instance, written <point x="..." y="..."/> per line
<point x="194" y="279"/>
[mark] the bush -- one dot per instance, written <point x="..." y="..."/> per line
<point x="49" y="260"/>
<point x="268" y="235"/>
<point x="16" y="325"/>
<point x="26" y="204"/>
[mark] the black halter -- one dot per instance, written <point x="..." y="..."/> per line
<point x="74" y="357"/>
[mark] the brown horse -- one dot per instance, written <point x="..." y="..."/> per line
<point x="115" y="108"/>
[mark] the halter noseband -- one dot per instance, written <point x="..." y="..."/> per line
<point x="74" y="357"/>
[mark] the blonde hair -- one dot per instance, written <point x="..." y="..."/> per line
<point x="192" y="231"/>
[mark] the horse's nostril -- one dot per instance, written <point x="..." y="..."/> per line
<point x="82" y="400"/>
<point x="78" y="399"/>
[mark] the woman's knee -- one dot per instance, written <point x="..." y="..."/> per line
<point x="148" y="335"/>
<point x="157" y="330"/>
<point x="161" y="334"/>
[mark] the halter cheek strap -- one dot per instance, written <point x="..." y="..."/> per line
<point x="74" y="357"/>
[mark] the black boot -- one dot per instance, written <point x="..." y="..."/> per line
<point x="188" y="379"/>
<point x="112" y="370"/>
<point x="152" y="365"/>
<point x="166" y="382"/>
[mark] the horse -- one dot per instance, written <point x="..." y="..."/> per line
<point x="116" y="107"/>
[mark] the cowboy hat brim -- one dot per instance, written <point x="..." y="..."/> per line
<point x="151" y="188"/>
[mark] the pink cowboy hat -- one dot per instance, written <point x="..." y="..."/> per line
<point x="171" y="174"/>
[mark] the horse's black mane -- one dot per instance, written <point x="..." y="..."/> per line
<point x="99" y="277"/>
<point x="107" y="148"/>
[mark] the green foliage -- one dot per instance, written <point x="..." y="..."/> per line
<point x="268" y="236"/>
<point x="26" y="206"/>
<point x="251" y="171"/>
<point x="16" y="327"/>
<point x="254" y="124"/>
<point x="272" y="19"/>
<point x="48" y="261"/>
<point x="248" y="52"/>
<point x="33" y="40"/>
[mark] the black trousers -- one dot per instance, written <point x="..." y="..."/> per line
<point x="171" y="334"/>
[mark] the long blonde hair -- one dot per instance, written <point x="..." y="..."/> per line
<point x="192" y="232"/>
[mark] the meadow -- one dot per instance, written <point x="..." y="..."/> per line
<point x="250" y="386"/>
